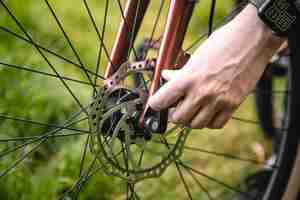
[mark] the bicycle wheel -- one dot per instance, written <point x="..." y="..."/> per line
<point x="72" y="139"/>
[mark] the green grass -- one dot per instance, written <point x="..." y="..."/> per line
<point x="54" y="167"/>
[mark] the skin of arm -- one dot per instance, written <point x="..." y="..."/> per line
<point x="220" y="74"/>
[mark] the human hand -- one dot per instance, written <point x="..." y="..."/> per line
<point x="219" y="75"/>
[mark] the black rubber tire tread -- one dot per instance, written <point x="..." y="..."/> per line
<point x="290" y="136"/>
<point x="264" y="103"/>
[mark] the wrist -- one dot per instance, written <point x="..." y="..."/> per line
<point x="255" y="29"/>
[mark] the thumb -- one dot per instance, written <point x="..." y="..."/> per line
<point x="170" y="93"/>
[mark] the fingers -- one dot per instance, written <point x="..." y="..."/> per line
<point x="170" y="93"/>
<point x="223" y="113"/>
<point x="185" y="111"/>
<point x="213" y="114"/>
<point x="204" y="116"/>
<point x="195" y="108"/>
<point x="220" y="120"/>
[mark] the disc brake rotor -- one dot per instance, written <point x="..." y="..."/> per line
<point x="123" y="148"/>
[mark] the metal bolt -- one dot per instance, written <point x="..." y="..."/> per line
<point x="135" y="114"/>
<point x="152" y="124"/>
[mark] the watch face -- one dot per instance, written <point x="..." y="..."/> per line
<point x="279" y="15"/>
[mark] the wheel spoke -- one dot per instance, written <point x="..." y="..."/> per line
<point x="248" y="121"/>
<point x="228" y="156"/>
<point x="200" y="185"/>
<point x="102" y="42"/>
<point x="85" y="177"/>
<point x="141" y="158"/>
<point x="43" y="136"/>
<point x="223" y="155"/>
<point x="180" y="163"/>
<point x="131" y="43"/>
<point x="213" y="28"/>
<point x="188" y="192"/>
<point x="22" y="158"/>
<point x="126" y="24"/>
<point x="156" y="23"/>
<point x="84" y="153"/>
<point x="211" y="17"/>
<point x="42" y="54"/>
<point x="245" y="194"/>
<point x="125" y="157"/>
<point x="127" y="191"/>
<point x="100" y="36"/>
<point x="6" y="117"/>
<point x="131" y="193"/>
<point x="28" y="69"/>
<point x="41" y="140"/>
<point x="196" y="42"/>
<point x="11" y="33"/>
<point x="69" y="42"/>
<point x="179" y="171"/>
<point x="36" y="137"/>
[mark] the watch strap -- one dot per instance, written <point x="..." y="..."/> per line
<point x="257" y="3"/>
<point x="279" y="15"/>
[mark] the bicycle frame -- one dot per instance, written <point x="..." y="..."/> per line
<point x="179" y="14"/>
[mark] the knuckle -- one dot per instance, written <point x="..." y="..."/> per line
<point x="204" y="93"/>
<point x="211" y="125"/>
<point x="196" y="126"/>
<point x="221" y="102"/>
<point x="235" y="102"/>
<point x="199" y="124"/>
<point x="228" y="103"/>
<point x="215" y="125"/>
<point x="210" y="95"/>
<point x="176" y="118"/>
<point x="218" y="126"/>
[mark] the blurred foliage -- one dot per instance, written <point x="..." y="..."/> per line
<point x="55" y="166"/>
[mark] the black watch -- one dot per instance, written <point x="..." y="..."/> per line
<point x="279" y="15"/>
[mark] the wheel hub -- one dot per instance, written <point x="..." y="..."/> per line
<point x="120" y="96"/>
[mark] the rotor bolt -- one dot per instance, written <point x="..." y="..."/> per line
<point x="152" y="124"/>
<point x="135" y="115"/>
